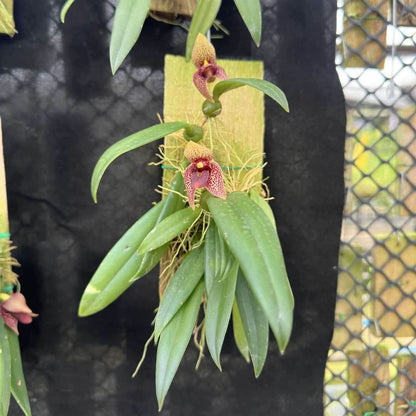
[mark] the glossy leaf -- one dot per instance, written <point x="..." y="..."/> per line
<point x="219" y="306"/>
<point x="205" y="13"/>
<point x="173" y="341"/>
<point x="65" y="9"/>
<point x="119" y="266"/>
<point x="264" y="205"/>
<point x="129" y="143"/>
<point x="240" y="337"/>
<point x="262" y="85"/>
<point x="173" y="202"/>
<point x="18" y="384"/>
<point x="5" y="370"/>
<point x="180" y="287"/>
<point x="169" y="228"/>
<point x="128" y="22"/>
<point x="255" y="244"/>
<point x="255" y="324"/>
<point x="250" y="11"/>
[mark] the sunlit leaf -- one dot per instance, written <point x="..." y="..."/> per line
<point x="7" y="24"/>
<point x="128" y="22"/>
<point x="262" y="85"/>
<point x="169" y="228"/>
<point x="250" y="11"/>
<point x="205" y="13"/>
<point x="18" y="384"/>
<point x="5" y="370"/>
<point x="119" y="266"/>
<point x="180" y="287"/>
<point x="173" y="341"/>
<point x="255" y="324"/>
<point x="65" y="9"/>
<point x="129" y="143"/>
<point x="255" y="244"/>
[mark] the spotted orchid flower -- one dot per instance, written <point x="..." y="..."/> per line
<point x="14" y="309"/>
<point x="203" y="57"/>
<point x="203" y="172"/>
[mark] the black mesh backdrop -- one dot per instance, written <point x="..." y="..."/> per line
<point x="61" y="108"/>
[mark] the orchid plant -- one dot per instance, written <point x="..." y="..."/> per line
<point x="220" y="251"/>
<point x="13" y="309"/>
<point x="130" y="16"/>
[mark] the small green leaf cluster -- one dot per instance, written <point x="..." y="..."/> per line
<point x="131" y="14"/>
<point x="12" y="380"/>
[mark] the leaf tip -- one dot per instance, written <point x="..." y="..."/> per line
<point x="218" y="363"/>
<point x="160" y="401"/>
<point x="82" y="313"/>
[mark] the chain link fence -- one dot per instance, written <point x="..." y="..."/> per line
<point x="371" y="367"/>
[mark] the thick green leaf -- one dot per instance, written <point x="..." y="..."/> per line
<point x="239" y="334"/>
<point x="219" y="305"/>
<point x="255" y="244"/>
<point x="255" y="324"/>
<point x="18" y="384"/>
<point x="169" y="228"/>
<point x="205" y="13"/>
<point x="5" y="370"/>
<point x="65" y="9"/>
<point x="262" y="85"/>
<point x="129" y="143"/>
<point x="128" y="22"/>
<point x="149" y="261"/>
<point x="173" y="202"/>
<point x="250" y="11"/>
<point x="215" y="259"/>
<point x="173" y="341"/>
<point x="264" y="205"/>
<point x="119" y="266"/>
<point x="180" y="287"/>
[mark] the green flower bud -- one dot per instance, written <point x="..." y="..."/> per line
<point x="193" y="133"/>
<point x="211" y="109"/>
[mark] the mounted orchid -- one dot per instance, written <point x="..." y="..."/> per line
<point x="13" y="310"/>
<point x="220" y="252"/>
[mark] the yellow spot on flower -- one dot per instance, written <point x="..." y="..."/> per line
<point x="199" y="165"/>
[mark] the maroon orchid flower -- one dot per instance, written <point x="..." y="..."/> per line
<point x="14" y="310"/>
<point x="203" y="57"/>
<point x="203" y="172"/>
